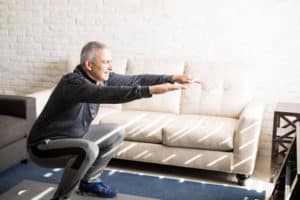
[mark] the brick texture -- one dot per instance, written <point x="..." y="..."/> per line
<point x="38" y="36"/>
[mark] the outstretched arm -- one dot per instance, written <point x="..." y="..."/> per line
<point x="147" y="79"/>
<point x="134" y="80"/>
<point x="163" y="88"/>
<point x="183" y="79"/>
<point x="75" y="89"/>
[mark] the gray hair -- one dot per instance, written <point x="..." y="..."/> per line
<point x="88" y="52"/>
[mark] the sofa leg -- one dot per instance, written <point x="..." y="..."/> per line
<point x="25" y="161"/>
<point x="242" y="179"/>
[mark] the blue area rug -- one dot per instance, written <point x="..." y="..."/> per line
<point x="135" y="184"/>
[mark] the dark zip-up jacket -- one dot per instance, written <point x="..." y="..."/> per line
<point x="74" y="102"/>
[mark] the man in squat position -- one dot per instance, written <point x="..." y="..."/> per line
<point x="62" y="136"/>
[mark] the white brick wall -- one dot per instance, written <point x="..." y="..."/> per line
<point x="37" y="37"/>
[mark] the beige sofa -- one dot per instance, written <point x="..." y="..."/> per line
<point x="213" y="126"/>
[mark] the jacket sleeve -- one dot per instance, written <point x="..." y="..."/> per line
<point x="134" y="80"/>
<point x="76" y="89"/>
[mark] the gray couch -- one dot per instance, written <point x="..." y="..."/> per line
<point x="17" y="115"/>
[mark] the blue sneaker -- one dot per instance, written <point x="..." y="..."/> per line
<point x="97" y="189"/>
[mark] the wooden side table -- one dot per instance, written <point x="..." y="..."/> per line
<point x="287" y="185"/>
<point x="283" y="133"/>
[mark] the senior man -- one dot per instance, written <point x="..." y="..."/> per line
<point x="62" y="136"/>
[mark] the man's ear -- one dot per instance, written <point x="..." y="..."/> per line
<point x="88" y="65"/>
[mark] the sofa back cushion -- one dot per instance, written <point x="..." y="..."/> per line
<point x="225" y="91"/>
<point x="169" y="102"/>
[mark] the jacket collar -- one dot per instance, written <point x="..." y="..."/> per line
<point x="79" y="70"/>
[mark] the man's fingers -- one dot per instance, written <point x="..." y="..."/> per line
<point x="197" y="80"/>
<point x="182" y="86"/>
<point x="166" y="87"/>
<point x="190" y="79"/>
<point x="178" y="87"/>
<point x="184" y="79"/>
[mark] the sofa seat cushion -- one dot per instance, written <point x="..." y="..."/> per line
<point x="11" y="129"/>
<point x="141" y="126"/>
<point x="201" y="132"/>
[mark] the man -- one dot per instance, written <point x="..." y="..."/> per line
<point x="62" y="136"/>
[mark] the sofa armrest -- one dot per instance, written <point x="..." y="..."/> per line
<point x="41" y="98"/>
<point x="17" y="106"/>
<point x="247" y="138"/>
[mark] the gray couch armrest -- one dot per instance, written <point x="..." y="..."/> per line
<point x="18" y="106"/>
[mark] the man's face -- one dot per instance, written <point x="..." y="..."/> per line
<point x="100" y="69"/>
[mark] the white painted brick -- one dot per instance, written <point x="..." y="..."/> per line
<point x="3" y="6"/>
<point x="3" y="33"/>
<point x="58" y="3"/>
<point x="41" y="34"/>
<point x="77" y="3"/>
<point x="41" y="3"/>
